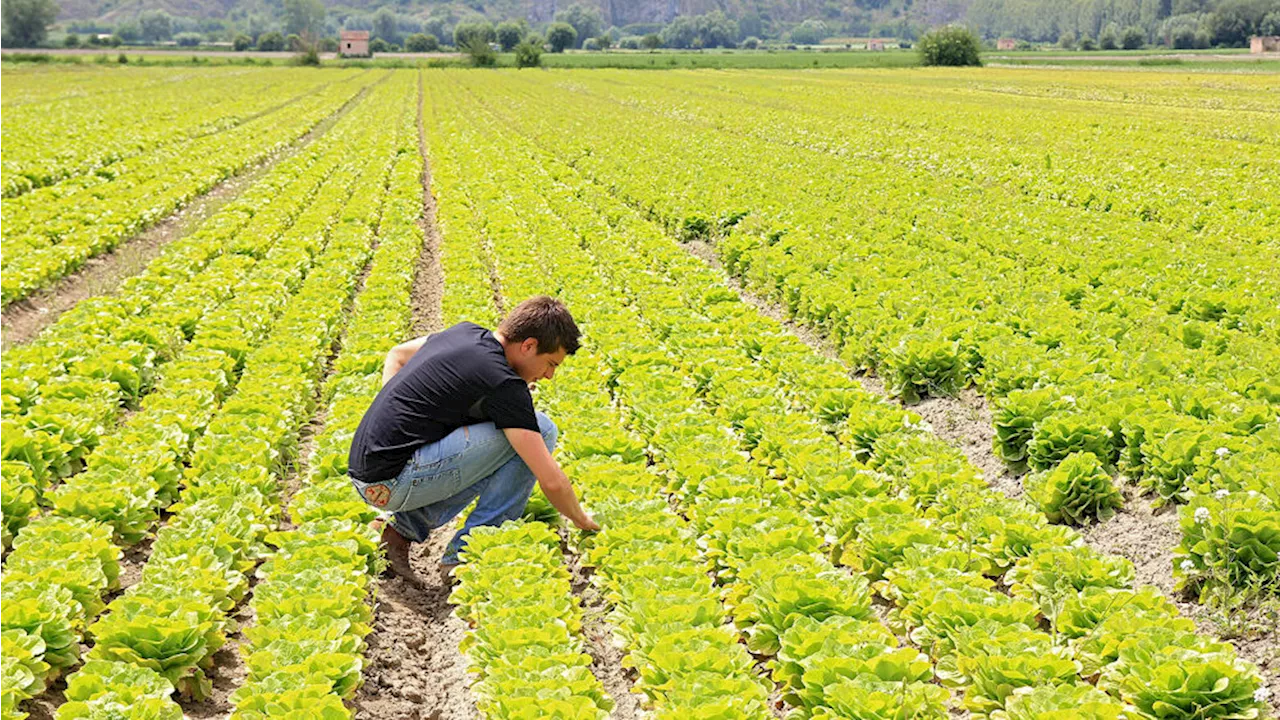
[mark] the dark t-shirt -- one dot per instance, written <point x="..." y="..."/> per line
<point x="460" y="376"/>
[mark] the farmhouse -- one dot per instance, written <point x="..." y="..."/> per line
<point x="1264" y="44"/>
<point x="354" y="43"/>
<point x="875" y="44"/>
<point x="1006" y="44"/>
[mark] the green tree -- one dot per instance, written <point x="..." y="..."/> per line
<point x="479" y="52"/>
<point x="187" y="39"/>
<point x="604" y="42"/>
<point x="1270" y="24"/>
<point x="510" y="33"/>
<point x="386" y="25"/>
<point x="953" y="45"/>
<point x="303" y="17"/>
<point x="421" y="43"/>
<point x="26" y="22"/>
<point x="586" y="22"/>
<point x="129" y="31"/>
<point x="72" y="40"/>
<point x="528" y="55"/>
<point x="241" y="43"/>
<point x="464" y="33"/>
<point x="651" y="41"/>
<point x="156" y="25"/>
<point x="1132" y="38"/>
<point x="561" y="36"/>
<point x="1087" y="44"/>
<point x="271" y="42"/>
<point x="809" y="32"/>
<point x="1110" y="38"/>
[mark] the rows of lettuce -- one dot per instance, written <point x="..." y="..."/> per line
<point x="53" y="231"/>
<point x="834" y="479"/>
<point x="77" y="130"/>
<point x="1153" y="358"/>
<point x="525" y="643"/>
<point x="214" y="435"/>
<point x="313" y="602"/>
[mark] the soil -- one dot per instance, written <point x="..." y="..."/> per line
<point x="1142" y="535"/>
<point x="414" y="670"/>
<point x="428" y="282"/>
<point x="965" y="422"/>
<point x="23" y="320"/>
<point x="606" y="656"/>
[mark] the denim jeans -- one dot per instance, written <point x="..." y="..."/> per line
<point x="474" y="462"/>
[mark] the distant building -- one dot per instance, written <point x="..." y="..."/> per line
<point x="354" y="43"/>
<point x="1006" y="44"/>
<point x="875" y="45"/>
<point x="1264" y="44"/>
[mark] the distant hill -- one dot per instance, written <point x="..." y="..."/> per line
<point x="1195" y="22"/>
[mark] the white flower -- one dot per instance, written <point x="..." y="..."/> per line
<point x="1202" y="515"/>
<point x="1188" y="566"/>
<point x="1262" y="694"/>
<point x="1069" y="399"/>
<point x="1221" y="493"/>
<point x="1222" y="452"/>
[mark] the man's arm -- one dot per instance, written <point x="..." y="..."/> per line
<point x="531" y="448"/>
<point x="399" y="355"/>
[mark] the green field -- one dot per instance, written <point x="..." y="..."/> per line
<point x="904" y="392"/>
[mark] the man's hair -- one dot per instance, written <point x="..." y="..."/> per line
<point x="544" y="319"/>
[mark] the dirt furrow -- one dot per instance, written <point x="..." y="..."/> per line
<point x="413" y="668"/>
<point x="606" y="656"/>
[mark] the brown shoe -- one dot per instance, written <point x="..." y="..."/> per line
<point x="446" y="573"/>
<point x="397" y="554"/>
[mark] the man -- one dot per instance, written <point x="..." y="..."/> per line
<point x="454" y="422"/>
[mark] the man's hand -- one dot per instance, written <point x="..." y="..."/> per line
<point x="551" y="478"/>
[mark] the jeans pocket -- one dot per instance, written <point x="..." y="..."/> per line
<point x="431" y="489"/>
<point x="378" y="494"/>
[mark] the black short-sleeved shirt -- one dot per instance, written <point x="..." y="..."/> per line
<point x="460" y="376"/>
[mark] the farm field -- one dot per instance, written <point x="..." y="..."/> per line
<point x="903" y="394"/>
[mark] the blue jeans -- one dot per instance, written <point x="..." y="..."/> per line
<point x="441" y="480"/>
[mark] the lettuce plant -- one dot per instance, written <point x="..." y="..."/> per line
<point x="866" y="697"/>
<point x="1050" y="576"/>
<point x="1015" y="416"/>
<point x="1167" y="673"/>
<point x="1076" y="492"/>
<point x="997" y="664"/>
<point x="1061" y="702"/>
<point x="1059" y="435"/>
<point x="921" y="365"/>
<point x="1229" y="539"/>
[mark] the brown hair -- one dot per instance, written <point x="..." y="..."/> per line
<point x="544" y="319"/>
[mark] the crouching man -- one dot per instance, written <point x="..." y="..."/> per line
<point x="454" y="422"/>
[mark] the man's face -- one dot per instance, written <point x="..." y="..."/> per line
<point x="533" y="366"/>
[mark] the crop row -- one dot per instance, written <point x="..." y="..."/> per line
<point x="82" y="135"/>
<point x="524" y="643"/>
<point x="173" y="619"/>
<point x="1133" y="332"/>
<point x="52" y="233"/>
<point x="62" y="393"/>
<point x="841" y="495"/>
<point x="313" y="603"/>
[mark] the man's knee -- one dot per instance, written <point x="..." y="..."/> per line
<point x="548" y="430"/>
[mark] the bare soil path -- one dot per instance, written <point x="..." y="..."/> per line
<point x="23" y="320"/>
<point x="413" y="668"/>
<point x="1144" y="536"/>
